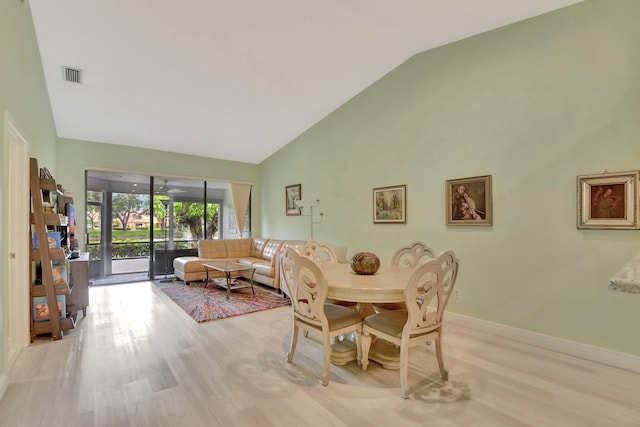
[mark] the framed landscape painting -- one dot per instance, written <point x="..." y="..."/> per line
<point x="469" y="201"/>
<point x="609" y="201"/>
<point x="292" y="194"/>
<point x="390" y="205"/>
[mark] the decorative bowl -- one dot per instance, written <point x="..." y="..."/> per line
<point x="365" y="263"/>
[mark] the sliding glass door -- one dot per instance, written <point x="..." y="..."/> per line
<point x="119" y="227"/>
<point x="137" y="225"/>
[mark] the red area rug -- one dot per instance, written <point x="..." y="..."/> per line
<point x="205" y="304"/>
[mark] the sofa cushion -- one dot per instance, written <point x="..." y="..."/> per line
<point x="238" y="248"/>
<point x="180" y="263"/>
<point x="193" y="264"/>
<point x="262" y="266"/>
<point x="257" y="245"/>
<point x="271" y="249"/>
<point x="212" y="249"/>
<point x="296" y="244"/>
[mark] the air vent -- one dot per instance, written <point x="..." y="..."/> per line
<point x="71" y="74"/>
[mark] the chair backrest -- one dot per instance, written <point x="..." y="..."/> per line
<point x="412" y="255"/>
<point x="307" y="287"/>
<point x="318" y="252"/>
<point x="428" y="291"/>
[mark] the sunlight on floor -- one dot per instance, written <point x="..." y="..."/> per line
<point x="133" y="303"/>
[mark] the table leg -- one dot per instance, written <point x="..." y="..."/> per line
<point x="206" y="282"/>
<point x="252" y="273"/>
<point x="228" y="274"/>
<point x="343" y="352"/>
<point x="365" y="309"/>
<point x="381" y="351"/>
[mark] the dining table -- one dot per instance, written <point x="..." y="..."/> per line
<point x="385" y="286"/>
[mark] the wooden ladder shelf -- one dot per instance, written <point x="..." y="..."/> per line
<point x="41" y="189"/>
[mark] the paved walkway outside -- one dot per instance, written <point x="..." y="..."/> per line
<point x="127" y="270"/>
<point x="130" y="265"/>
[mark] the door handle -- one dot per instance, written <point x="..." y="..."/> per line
<point x="12" y="255"/>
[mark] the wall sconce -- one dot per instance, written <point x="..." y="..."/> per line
<point x="314" y="211"/>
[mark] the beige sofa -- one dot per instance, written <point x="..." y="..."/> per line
<point x="256" y="252"/>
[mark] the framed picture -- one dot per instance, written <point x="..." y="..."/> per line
<point x="469" y="201"/>
<point x="390" y="205"/>
<point x="293" y="193"/>
<point x="609" y="201"/>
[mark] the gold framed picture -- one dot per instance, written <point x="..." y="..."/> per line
<point x="609" y="201"/>
<point x="390" y="205"/>
<point x="469" y="201"/>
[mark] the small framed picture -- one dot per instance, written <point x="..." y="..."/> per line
<point x="390" y="205"/>
<point x="469" y="201"/>
<point x="293" y="193"/>
<point x="609" y="201"/>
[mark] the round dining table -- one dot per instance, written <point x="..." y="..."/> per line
<point x="385" y="286"/>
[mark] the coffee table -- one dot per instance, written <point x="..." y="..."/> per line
<point x="229" y="268"/>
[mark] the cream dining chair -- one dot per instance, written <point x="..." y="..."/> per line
<point x="407" y="256"/>
<point x="426" y="295"/>
<point x="318" y="252"/>
<point x="323" y="254"/>
<point x="412" y="255"/>
<point x="308" y="290"/>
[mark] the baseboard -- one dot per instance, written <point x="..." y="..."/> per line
<point x="583" y="351"/>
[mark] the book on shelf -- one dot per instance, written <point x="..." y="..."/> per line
<point x="53" y="239"/>
<point x="59" y="271"/>
<point x="41" y="308"/>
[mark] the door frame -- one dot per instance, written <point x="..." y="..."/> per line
<point x="15" y="240"/>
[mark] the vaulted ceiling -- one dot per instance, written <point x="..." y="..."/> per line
<point x="235" y="80"/>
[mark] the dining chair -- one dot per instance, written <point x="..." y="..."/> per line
<point x="323" y="254"/>
<point x="318" y="252"/>
<point x="308" y="290"/>
<point x="426" y="295"/>
<point x="412" y="255"/>
<point x="407" y="256"/>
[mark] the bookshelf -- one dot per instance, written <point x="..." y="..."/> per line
<point x="51" y="310"/>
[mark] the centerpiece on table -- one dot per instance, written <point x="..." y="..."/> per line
<point x="365" y="263"/>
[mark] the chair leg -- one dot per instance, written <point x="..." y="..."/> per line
<point x="443" y="372"/>
<point x="365" y="343"/>
<point x="294" y="341"/>
<point x="359" y="347"/>
<point x="327" y="358"/>
<point x="404" y="370"/>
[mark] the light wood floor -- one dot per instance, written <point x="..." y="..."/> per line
<point x="138" y="360"/>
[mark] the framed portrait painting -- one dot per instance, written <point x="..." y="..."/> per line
<point x="609" y="201"/>
<point x="469" y="201"/>
<point x="390" y="205"/>
<point x="292" y="194"/>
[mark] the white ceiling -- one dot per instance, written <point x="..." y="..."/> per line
<point x="235" y="80"/>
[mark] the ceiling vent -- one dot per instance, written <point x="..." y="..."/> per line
<point x="71" y="74"/>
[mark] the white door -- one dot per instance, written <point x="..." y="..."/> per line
<point x="17" y="232"/>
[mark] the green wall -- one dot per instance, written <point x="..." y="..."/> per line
<point x="534" y="105"/>
<point x="74" y="157"/>
<point x="22" y="86"/>
<point x="23" y="94"/>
